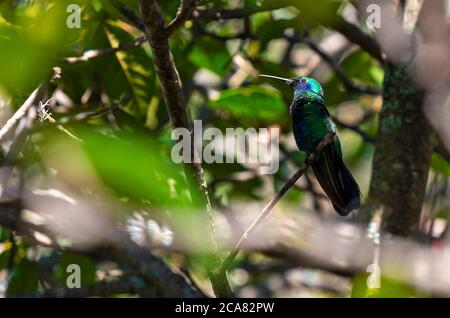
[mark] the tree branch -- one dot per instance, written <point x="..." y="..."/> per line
<point x="21" y="112"/>
<point x="265" y="212"/>
<point x="349" y="84"/>
<point x="131" y="16"/>
<point x="349" y="30"/>
<point x="364" y="135"/>
<point x="172" y="92"/>
<point x="355" y="35"/>
<point x="228" y="14"/>
<point x="91" y="54"/>
<point x="184" y="11"/>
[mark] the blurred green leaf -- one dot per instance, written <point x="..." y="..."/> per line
<point x="212" y="55"/>
<point x="23" y="279"/>
<point x="252" y="102"/>
<point x="5" y="255"/>
<point x="277" y="29"/>
<point x="389" y="288"/>
<point x="318" y="12"/>
<point x="358" y="66"/>
<point x="361" y="66"/>
<point x="440" y="165"/>
<point x="29" y="49"/>
<point x="87" y="268"/>
<point x="137" y="168"/>
<point x="135" y="65"/>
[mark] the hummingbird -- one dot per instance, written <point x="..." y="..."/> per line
<point x="311" y="122"/>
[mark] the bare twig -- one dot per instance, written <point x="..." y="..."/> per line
<point x="308" y="162"/>
<point x="45" y="115"/>
<point x="21" y="112"/>
<point x="184" y="11"/>
<point x="356" y="36"/>
<point x="91" y="54"/>
<point x="349" y="84"/>
<point x="364" y="135"/>
<point x="227" y="14"/>
<point x="349" y="30"/>
<point x="36" y="95"/>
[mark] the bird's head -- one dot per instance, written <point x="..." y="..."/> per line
<point x="305" y="88"/>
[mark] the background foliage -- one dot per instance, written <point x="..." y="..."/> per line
<point x="121" y="176"/>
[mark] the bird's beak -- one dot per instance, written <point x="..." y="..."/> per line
<point x="287" y="80"/>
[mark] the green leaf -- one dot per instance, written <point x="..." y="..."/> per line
<point x="361" y="66"/>
<point x="212" y="55"/>
<point x="277" y="29"/>
<point x="389" y="288"/>
<point x="252" y="102"/>
<point x="440" y="165"/>
<point x="23" y="279"/>
<point x="318" y="12"/>
<point x="5" y="255"/>
<point x="137" y="168"/>
<point x="87" y="268"/>
<point x="136" y="66"/>
<point x="30" y="46"/>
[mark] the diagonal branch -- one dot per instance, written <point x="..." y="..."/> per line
<point x="364" y="135"/>
<point x="349" y="84"/>
<point x="31" y="100"/>
<point x="265" y="212"/>
<point x="184" y="11"/>
<point x="91" y="54"/>
<point x="347" y="29"/>
<point x="21" y="112"/>
<point x="213" y="14"/>
<point x="357" y="36"/>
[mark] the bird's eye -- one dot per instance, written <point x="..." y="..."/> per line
<point x="303" y="80"/>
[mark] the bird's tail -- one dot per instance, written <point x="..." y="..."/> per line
<point x="337" y="181"/>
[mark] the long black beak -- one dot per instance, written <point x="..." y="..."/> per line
<point x="287" y="80"/>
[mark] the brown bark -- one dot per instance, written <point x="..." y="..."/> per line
<point x="158" y="37"/>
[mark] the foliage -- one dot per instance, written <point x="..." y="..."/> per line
<point x="114" y="104"/>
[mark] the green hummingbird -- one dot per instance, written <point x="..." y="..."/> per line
<point x="311" y="122"/>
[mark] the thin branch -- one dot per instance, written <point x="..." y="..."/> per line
<point x="31" y="100"/>
<point x="357" y="36"/>
<point x="349" y="84"/>
<point x="349" y="30"/>
<point x="364" y="135"/>
<point x="91" y="54"/>
<point x="184" y="11"/>
<point x="20" y="113"/>
<point x="228" y="14"/>
<point x="45" y="115"/>
<point x="131" y="16"/>
<point x="174" y="99"/>
<point x="265" y="212"/>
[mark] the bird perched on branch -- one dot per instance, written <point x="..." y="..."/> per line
<point x="311" y="122"/>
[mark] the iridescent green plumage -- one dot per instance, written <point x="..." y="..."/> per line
<point x="311" y="122"/>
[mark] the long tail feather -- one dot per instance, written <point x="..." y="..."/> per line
<point x="337" y="181"/>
